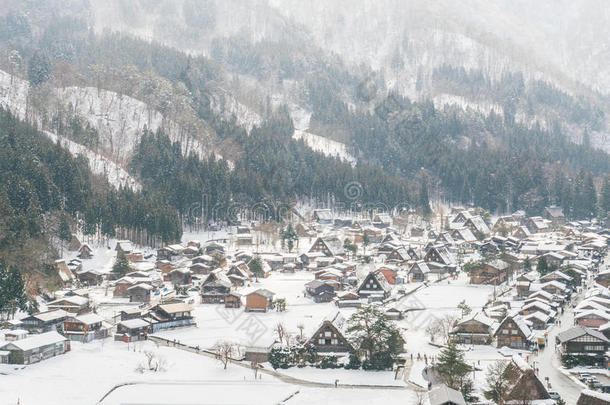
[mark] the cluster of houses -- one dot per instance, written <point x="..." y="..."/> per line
<point x="534" y="263"/>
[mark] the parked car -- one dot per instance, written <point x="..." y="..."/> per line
<point x="554" y="395"/>
<point x="584" y="376"/>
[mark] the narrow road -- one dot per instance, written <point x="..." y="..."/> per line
<point x="548" y="361"/>
<point x="286" y="378"/>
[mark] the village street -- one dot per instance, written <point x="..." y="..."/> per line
<point x="547" y="360"/>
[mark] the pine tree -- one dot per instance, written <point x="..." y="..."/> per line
<point x="451" y="366"/>
<point x="39" y="69"/>
<point x="17" y="298"/>
<point x="121" y="264"/>
<point x="589" y="197"/>
<point x="64" y="233"/>
<point x="424" y="201"/>
<point x="543" y="267"/>
<point x="256" y="267"/>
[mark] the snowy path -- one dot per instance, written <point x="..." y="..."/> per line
<point x="283" y="377"/>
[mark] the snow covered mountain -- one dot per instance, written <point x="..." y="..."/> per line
<point x="394" y="44"/>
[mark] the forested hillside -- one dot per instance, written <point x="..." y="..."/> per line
<point x="215" y="125"/>
<point x="44" y="190"/>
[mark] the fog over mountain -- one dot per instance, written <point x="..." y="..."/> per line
<point x="501" y="104"/>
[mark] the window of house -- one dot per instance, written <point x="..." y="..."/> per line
<point x="505" y="331"/>
<point x="514" y="331"/>
<point x="320" y="341"/>
<point x="327" y="333"/>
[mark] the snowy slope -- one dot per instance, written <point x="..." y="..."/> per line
<point x="324" y="145"/>
<point x="116" y="175"/>
<point x="120" y="120"/>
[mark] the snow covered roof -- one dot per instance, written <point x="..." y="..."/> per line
<point x="73" y="299"/>
<point x="35" y="341"/>
<point x="50" y="315"/>
<point x="595" y="394"/>
<point x="134" y="323"/>
<point x="579" y="331"/>
<point x="177" y="307"/>
<point x="88" y="319"/>
<point x="442" y="394"/>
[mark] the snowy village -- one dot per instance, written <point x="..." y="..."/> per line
<point x="508" y="309"/>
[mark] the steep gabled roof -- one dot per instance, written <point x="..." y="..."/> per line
<point x="578" y="331"/>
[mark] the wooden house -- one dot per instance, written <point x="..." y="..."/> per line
<point x="463" y="235"/>
<point x="477" y="226"/>
<point x="169" y="316"/>
<point x="323" y="216"/>
<point x="124" y="246"/>
<point x="140" y="293"/>
<point x="538" y="225"/>
<point x="399" y="255"/>
<point x="439" y="254"/>
<point x="582" y="340"/>
<point x="521" y="232"/>
<point x="382" y="220"/>
<point x="374" y="286"/>
<point x="45" y="321"/>
<point x="328" y="247"/>
<point x="239" y="274"/>
<point x="65" y="274"/>
<point x="419" y="271"/>
<point x="130" y="313"/>
<point x="215" y="288"/>
<point x="320" y="291"/>
<point x="85" y="328"/>
<point x="214" y="247"/>
<point x="524" y="283"/>
<point x="329" y="336"/>
<point x="494" y="272"/>
<point x="443" y="395"/>
<point x="233" y="300"/>
<point x="35" y="348"/>
<point x="259" y="301"/>
<point x="523" y="386"/>
<point x="473" y="330"/>
<point x="73" y="304"/>
<point x="589" y="397"/>
<point x="132" y="330"/>
<point x="90" y="277"/>
<point x="537" y="320"/>
<point x="85" y="252"/>
<point x="180" y="276"/>
<point x="592" y="318"/>
<point x="513" y="332"/>
<point x="554" y="214"/>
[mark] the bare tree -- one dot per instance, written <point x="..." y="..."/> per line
<point x="441" y="327"/>
<point x="497" y="382"/>
<point x="301" y="328"/>
<point x="255" y="366"/>
<point x="154" y="362"/>
<point x="224" y="352"/>
<point x="280" y="329"/>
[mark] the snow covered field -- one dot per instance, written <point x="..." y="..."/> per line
<point x="88" y="371"/>
<point x="216" y="323"/>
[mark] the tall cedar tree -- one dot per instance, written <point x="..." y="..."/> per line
<point x="373" y="333"/>
<point x="451" y="366"/>
<point x="121" y="264"/>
